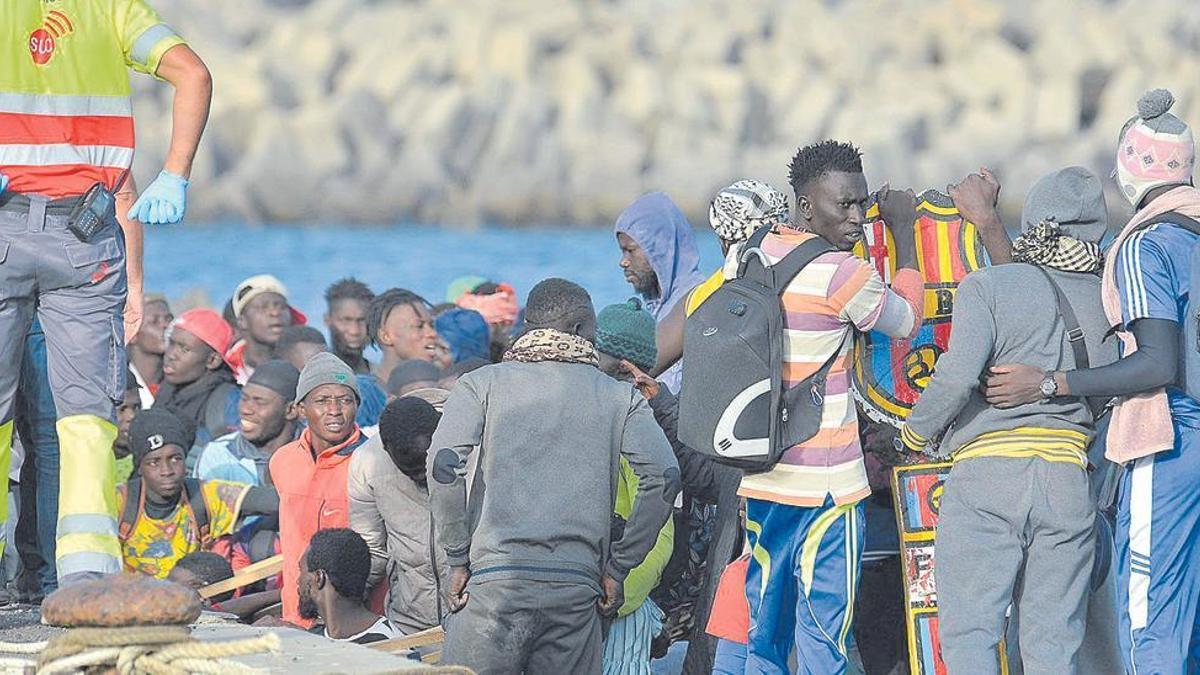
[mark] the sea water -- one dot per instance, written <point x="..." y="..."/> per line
<point x="213" y="259"/>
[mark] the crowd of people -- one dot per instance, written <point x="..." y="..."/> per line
<point x="514" y="471"/>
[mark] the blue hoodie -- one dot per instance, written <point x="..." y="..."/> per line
<point x="660" y="228"/>
<point x="467" y="333"/>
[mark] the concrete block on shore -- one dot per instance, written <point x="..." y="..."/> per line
<point x="540" y="110"/>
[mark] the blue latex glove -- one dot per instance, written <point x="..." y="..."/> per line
<point x="163" y="201"/>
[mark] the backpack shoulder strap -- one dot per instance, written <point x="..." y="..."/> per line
<point x="791" y="264"/>
<point x="1175" y="218"/>
<point x="1074" y="331"/>
<point x="751" y="252"/>
<point x="195" y="496"/>
<point x="133" y="504"/>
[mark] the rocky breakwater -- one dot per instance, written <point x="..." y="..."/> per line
<point x="562" y="111"/>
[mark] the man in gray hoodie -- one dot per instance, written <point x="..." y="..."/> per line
<point x="1017" y="499"/>
<point x="534" y="561"/>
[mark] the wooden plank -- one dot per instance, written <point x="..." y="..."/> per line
<point x="246" y="576"/>
<point x="425" y="638"/>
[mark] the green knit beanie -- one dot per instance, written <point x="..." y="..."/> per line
<point x="626" y="331"/>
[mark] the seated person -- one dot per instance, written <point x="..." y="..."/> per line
<point x="204" y="568"/>
<point x="268" y="418"/>
<point x="298" y="344"/>
<point x="310" y="472"/>
<point x="411" y="375"/>
<point x="164" y="515"/>
<point x="198" y="385"/>
<point x="261" y="312"/>
<point x="389" y="508"/>
<point x="333" y="581"/>
<point x="130" y="405"/>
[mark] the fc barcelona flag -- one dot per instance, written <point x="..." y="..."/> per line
<point x="889" y="375"/>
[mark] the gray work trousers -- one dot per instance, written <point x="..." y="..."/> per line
<point x="78" y="291"/>
<point x="1001" y="519"/>
<point x="523" y="626"/>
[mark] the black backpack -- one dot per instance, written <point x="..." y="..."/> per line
<point x="733" y="406"/>
<point x="191" y="493"/>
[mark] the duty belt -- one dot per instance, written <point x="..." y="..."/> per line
<point x="38" y="207"/>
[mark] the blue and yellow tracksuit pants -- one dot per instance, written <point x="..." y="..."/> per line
<point x="801" y="585"/>
<point x="78" y="291"/>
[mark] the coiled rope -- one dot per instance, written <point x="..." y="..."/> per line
<point x="138" y="650"/>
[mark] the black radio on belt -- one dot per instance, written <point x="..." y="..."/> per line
<point x="89" y="215"/>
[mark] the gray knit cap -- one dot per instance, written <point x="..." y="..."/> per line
<point x="325" y="368"/>
<point x="1072" y="197"/>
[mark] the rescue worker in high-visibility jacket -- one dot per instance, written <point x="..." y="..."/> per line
<point x="66" y="125"/>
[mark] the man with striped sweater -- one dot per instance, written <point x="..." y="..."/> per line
<point x="66" y="130"/>
<point x="804" y="517"/>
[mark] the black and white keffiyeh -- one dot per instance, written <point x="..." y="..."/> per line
<point x="1043" y="244"/>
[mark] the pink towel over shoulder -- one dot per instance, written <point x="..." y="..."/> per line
<point x="1141" y="424"/>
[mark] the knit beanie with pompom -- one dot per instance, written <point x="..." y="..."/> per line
<point x="1156" y="148"/>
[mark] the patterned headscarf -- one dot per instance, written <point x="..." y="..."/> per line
<point x="548" y="344"/>
<point x="1044" y="245"/>
<point x="740" y="209"/>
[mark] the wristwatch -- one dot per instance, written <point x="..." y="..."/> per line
<point x="1048" y="387"/>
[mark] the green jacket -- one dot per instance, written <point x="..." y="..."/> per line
<point x="643" y="578"/>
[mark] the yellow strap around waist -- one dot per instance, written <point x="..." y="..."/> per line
<point x="1051" y="445"/>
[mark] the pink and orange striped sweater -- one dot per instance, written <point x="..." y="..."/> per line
<point x="825" y="304"/>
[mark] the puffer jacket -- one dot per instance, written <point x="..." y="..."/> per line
<point x="391" y="512"/>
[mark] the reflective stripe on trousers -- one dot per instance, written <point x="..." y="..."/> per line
<point x="6" y="432"/>
<point x="87" y="512"/>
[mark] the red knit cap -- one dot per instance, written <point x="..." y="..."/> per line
<point x="206" y="325"/>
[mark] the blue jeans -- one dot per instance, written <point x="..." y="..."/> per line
<point x="36" y="407"/>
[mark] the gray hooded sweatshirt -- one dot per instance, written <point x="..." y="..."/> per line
<point x="549" y="437"/>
